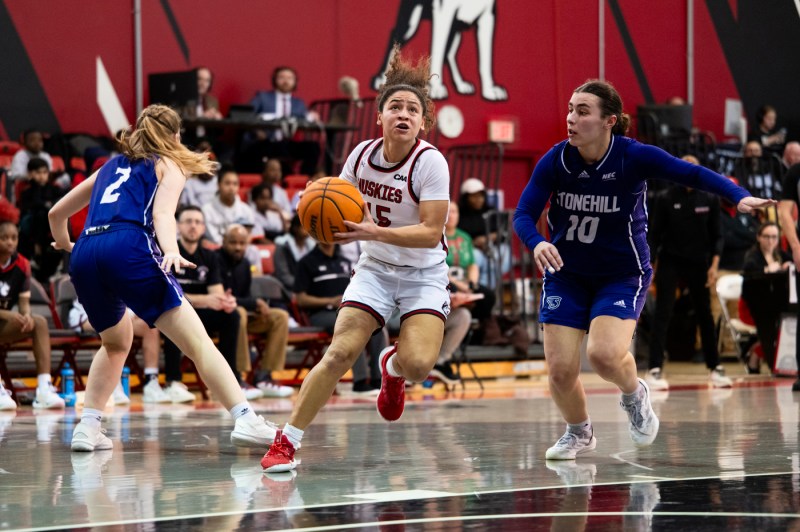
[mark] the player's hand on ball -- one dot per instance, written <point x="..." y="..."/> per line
<point x="365" y="230"/>
<point x="547" y="257"/>
<point x="173" y="261"/>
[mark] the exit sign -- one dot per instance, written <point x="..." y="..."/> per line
<point x="502" y="131"/>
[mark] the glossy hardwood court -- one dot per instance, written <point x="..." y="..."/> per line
<point x="724" y="460"/>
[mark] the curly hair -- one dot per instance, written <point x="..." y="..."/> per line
<point x="402" y="75"/>
<point x="154" y="136"/>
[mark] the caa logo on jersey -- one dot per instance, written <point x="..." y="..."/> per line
<point x="553" y="302"/>
<point x="400" y="177"/>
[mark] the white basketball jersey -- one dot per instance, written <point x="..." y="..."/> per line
<point x="393" y="192"/>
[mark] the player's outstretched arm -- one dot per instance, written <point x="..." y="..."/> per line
<point x="75" y="200"/>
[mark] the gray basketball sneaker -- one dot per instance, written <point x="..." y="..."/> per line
<point x="571" y="445"/>
<point x="644" y="423"/>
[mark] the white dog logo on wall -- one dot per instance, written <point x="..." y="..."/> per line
<point x="449" y="18"/>
<point x="553" y="302"/>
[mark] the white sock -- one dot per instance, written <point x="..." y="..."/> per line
<point x="92" y="417"/>
<point x="390" y="367"/>
<point x="293" y="434"/>
<point x="43" y="381"/>
<point x="150" y="374"/>
<point x="243" y="410"/>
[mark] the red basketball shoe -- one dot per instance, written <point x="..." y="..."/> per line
<point x="280" y="457"/>
<point x="393" y="390"/>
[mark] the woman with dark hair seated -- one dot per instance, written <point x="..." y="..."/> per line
<point x="765" y="257"/>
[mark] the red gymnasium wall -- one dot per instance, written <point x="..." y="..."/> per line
<point x="540" y="50"/>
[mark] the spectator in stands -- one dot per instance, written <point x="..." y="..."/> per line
<point x="755" y="173"/>
<point x="289" y="249"/>
<point x="686" y="242"/>
<point x="200" y="190"/>
<point x="320" y="281"/>
<point x="474" y="208"/>
<point x="791" y="154"/>
<point x="269" y="217"/>
<point x="257" y="316"/>
<point x="763" y="258"/>
<point x="151" y="347"/>
<point x="272" y="176"/>
<point x="216" y="308"/>
<point x="15" y="290"/>
<point x="281" y="103"/>
<point x="34" y="203"/>
<point x="227" y="207"/>
<point x="33" y="142"/>
<point x="766" y="131"/>
<point x="786" y="209"/>
<point x="206" y="106"/>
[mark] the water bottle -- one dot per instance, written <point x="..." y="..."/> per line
<point x="68" y="385"/>
<point x="126" y="380"/>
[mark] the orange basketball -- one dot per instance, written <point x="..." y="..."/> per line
<point x="326" y="204"/>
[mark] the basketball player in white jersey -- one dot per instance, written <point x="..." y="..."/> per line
<point x="405" y="183"/>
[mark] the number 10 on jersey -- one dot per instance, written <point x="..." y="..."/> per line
<point x="586" y="228"/>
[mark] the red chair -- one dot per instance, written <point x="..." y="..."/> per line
<point x="267" y="253"/>
<point x="77" y="164"/>
<point x="295" y="181"/>
<point x="9" y="147"/>
<point x="58" y="164"/>
<point x="246" y="182"/>
<point x="5" y="161"/>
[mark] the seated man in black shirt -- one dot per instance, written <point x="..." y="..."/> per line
<point x="216" y="308"/>
<point x="320" y="281"/>
<point x="256" y="314"/>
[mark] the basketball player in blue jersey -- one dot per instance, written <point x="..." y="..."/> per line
<point x="405" y="183"/>
<point x="596" y="266"/>
<point x="125" y="257"/>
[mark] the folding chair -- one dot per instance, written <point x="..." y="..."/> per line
<point x="729" y="288"/>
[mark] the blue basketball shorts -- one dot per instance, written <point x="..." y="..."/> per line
<point x="119" y="268"/>
<point x="575" y="300"/>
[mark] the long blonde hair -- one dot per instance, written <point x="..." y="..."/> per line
<point x="154" y="136"/>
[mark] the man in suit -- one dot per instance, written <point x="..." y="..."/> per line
<point x="280" y="103"/>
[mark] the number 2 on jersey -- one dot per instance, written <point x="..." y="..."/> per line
<point x="586" y="227"/>
<point x="380" y="211"/>
<point x="109" y="194"/>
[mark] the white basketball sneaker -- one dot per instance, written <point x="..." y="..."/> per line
<point x="87" y="439"/>
<point x="119" y="396"/>
<point x="152" y="392"/>
<point x="259" y="433"/>
<point x="6" y="401"/>
<point x="718" y="378"/>
<point x="47" y="398"/>
<point x="570" y="445"/>
<point x="655" y="379"/>
<point x="179" y="393"/>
